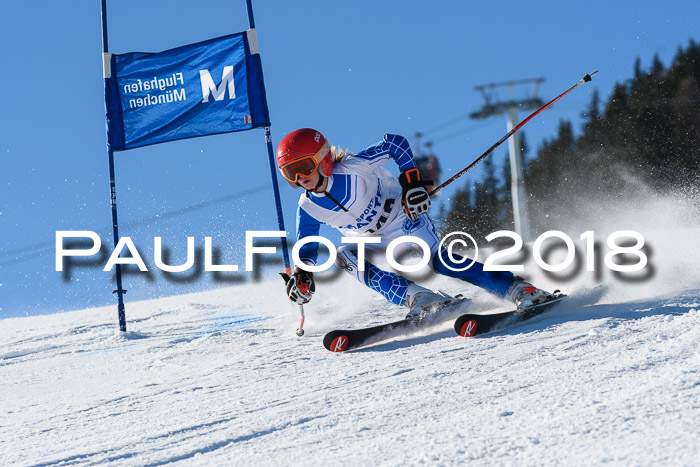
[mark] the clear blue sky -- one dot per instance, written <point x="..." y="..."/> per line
<point x="354" y="70"/>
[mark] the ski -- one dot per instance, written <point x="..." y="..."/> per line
<point x="471" y="325"/>
<point x="341" y="340"/>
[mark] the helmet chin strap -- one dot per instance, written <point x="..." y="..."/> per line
<point x="318" y="184"/>
<point x="321" y="177"/>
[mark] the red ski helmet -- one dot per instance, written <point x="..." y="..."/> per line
<point x="302" y="152"/>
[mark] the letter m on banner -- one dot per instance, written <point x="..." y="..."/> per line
<point x="176" y="94"/>
<point x="209" y="88"/>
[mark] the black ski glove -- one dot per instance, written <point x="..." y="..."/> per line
<point x="415" y="199"/>
<point x="300" y="286"/>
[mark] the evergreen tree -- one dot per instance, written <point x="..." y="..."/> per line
<point x="648" y="130"/>
<point x="487" y="203"/>
<point x="459" y="215"/>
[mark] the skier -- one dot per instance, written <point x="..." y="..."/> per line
<point x="359" y="197"/>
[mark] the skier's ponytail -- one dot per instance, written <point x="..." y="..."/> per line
<point x="338" y="154"/>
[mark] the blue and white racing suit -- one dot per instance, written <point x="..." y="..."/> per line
<point x="365" y="200"/>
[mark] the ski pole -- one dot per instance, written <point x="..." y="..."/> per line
<point x="300" y="329"/>
<point x="585" y="79"/>
<point x="286" y="276"/>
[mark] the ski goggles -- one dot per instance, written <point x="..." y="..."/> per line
<point x="304" y="166"/>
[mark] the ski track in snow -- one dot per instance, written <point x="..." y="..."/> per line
<point x="220" y="378"/>
<point x="199" y="381"/>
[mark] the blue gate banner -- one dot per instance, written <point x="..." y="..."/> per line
<point x="210" y="87"/>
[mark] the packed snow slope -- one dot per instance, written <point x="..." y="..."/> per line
<point x="220" y="378"/>
<point x="210" y="380"/>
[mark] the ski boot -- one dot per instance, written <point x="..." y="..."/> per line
<point x="526" y="295"/>
<point x="420" y="301"/>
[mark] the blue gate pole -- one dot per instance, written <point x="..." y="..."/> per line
<point x="278" y="202"/>
<point x="112" y="183"/>
<point x="273" y="166"/>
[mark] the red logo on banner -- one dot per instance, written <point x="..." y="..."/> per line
<point x="468" y="329"/>
<point x="339" y="343"/>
